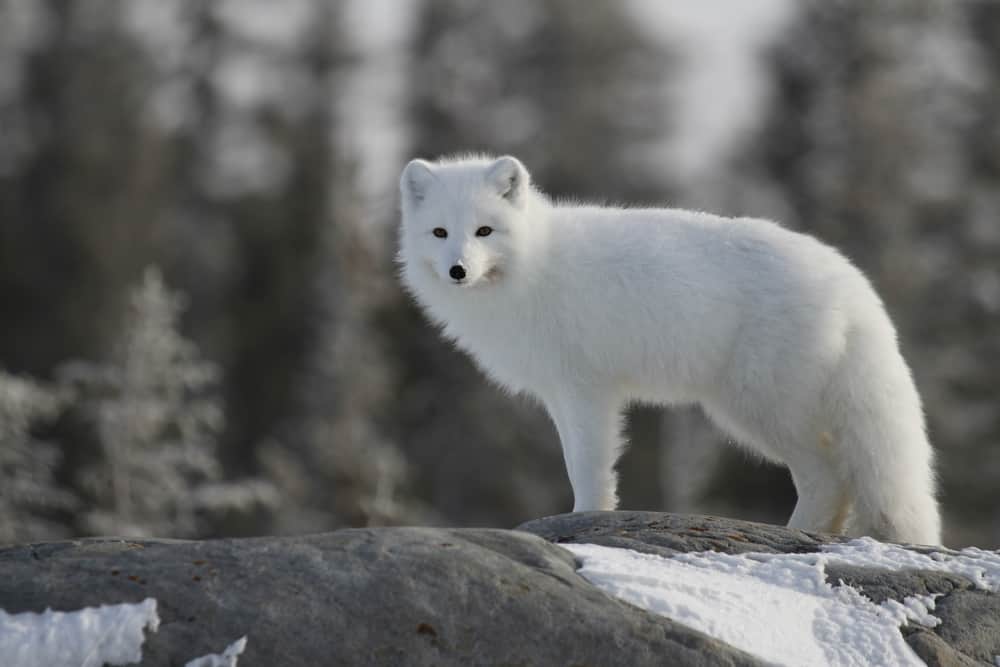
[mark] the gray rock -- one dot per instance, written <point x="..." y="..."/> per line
<point x="936" y="652"/>
<point x="970" y="622"/>
<point x="422" y="596"/>
<point x="879" y="585"/>
<point x="668" y="534"/>
<point x="403" y="596"/>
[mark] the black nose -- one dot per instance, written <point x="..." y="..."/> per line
<point x="457" y="272"/>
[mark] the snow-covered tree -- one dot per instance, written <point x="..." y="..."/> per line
<point x="29" y="493"/>
<point x="157" y="419"/>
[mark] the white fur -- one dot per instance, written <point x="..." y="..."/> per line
<point x="782" y="341"/>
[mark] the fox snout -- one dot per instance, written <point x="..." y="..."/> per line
<point x="465" y="265"/>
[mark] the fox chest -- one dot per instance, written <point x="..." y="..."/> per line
<point x="514" y="350"/>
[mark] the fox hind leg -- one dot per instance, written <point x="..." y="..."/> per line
<point x="823" y="506"/>
<point x="824" y="494"/>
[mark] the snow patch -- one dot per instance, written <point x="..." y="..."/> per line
<point x="978" y="565"/>
<point x="228" y="657"/>
<point x="90" y="637"/>
<point x="914" y="608"/>
<point x="780" y="607"/>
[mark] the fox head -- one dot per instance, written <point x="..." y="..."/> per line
<point x="463" y="220"/>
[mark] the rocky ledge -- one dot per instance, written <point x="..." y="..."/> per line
<point x="387" y="596"/>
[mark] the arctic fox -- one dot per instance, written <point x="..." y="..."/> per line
<point x="782" y="341"/>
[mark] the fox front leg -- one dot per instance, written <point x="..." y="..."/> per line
<point x="589" y="427"/>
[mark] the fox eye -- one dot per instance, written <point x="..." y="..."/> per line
<point x="484" y="231"/>
<point x="440" y="232"/>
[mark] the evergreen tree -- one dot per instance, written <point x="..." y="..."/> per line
<point x="574" y="93"/>
<point x="79" y="188"/>
<point x="157" y="421"/>
<point x="332" y="457"/>
<point x="33" y="506"/>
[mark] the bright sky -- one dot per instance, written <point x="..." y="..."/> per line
<point x="721" y="87"/>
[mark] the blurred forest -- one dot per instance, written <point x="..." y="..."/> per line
<point x="202" y="331"/>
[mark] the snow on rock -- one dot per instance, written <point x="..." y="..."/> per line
<point x="90" y="637"/>
<point x="780" y="607"/>
<point x="228" y="657"/>
<point x="979" y="566"/>
<point x="915" y="608"/>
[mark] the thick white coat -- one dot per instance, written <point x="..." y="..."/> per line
<point x="782" y="341"/>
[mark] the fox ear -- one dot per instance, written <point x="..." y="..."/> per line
<point x="414" y="182"/>
<point x="510" y="179"/>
